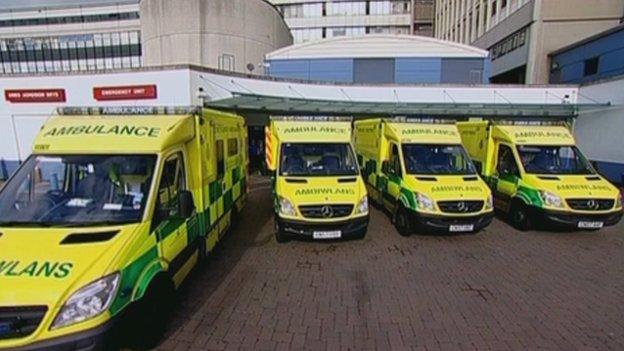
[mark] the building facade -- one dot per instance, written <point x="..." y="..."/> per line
<point x="311" y="20"/>
<point x="89" y="35"/>
<point x="56" y="38"/>
<point x="381" y="59"/>
<point x="521" y="33"/>
<point x="597" y="64"/>
<point x="232" y="35"/>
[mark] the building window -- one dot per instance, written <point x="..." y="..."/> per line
<point x="83" y="52"/>
<point x="591" y="66"/>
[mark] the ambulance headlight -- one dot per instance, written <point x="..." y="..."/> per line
<point x="550" y="199"/>
<point x="88" y="302"/>
<point x="489" y="203"/>
<point x="286" y="207"/>
<point x="362" y="207"/>
<point x="424" y="202"/>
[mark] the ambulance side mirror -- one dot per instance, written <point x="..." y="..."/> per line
<point x="186" y="204"/>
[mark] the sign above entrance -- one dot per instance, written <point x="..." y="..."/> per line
<point x="34" y="95"/>
<point x="130" y="92"/>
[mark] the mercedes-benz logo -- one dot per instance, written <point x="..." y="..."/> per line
<point x="593" y="204"/>
<point x="461" y="207"/>
<point x="327" y="211"/>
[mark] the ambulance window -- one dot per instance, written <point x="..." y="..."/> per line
<point x="232" y="147"/>
<point x="506" y="164"/>
<point x="395" y="160"/>
<point x="220" y="159"/>
<point x="173" y="181"/>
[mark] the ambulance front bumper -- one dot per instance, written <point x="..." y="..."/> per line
<point x="348" y="228"/>
<point x="96" y="339"/>
<point x="447" y="224"/>
<point x="571" y="220"/>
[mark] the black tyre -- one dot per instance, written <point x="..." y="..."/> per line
<point x="519" y="217"/>
<point x="153" y="313"/>
<point x="402" y="222"/>
<point x="280" y="236"/>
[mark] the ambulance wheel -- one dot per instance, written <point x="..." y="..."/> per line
<point x="280" y="236"/>
<point x="402" y="222"/>
<point x="519" y="217"/>
<point x="153" y="313"/>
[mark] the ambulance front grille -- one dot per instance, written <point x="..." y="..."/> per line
<point x="460" y="206"/>
<point x="326" y="211"/>
<point x="591" y="204"/>
<point x="19" y="322"/>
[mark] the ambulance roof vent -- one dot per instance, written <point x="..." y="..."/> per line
<point x="88" y="238"/>
<point x="126" y="110"/>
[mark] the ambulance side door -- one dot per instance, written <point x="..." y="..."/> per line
<point x="168" y="222"/>
<point x="393" y="172"/>
<point x="506" y="177"/>
<point x="221" y="173"/>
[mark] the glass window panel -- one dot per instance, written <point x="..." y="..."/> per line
<point x="136" y="61"/>
<point x="116" y="62"/>
<point x="124" y="38"/>
<point x="134" y="37"/>
<point x="125" y="62"/>
<point x="108" y="62"/>
<point x="40" y="66"/>
<point x="106" y="39"/>
<point x="66" y="65"/>
<point x="97" y="39"/>
<point x="74" y="65"/>
<point x="115" y="40"/>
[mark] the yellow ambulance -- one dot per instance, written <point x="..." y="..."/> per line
<point x="107" y="217"/>
<point x="539" y="176"/>
<point x="318" y="190"/>
<point x="419" y="171"/>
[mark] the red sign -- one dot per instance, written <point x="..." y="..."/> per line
<point x="132" y="92"/>
<point x="34" y="95"/>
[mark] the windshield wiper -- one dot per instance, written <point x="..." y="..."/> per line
<point x="104" y="223"/>
<point x="34" y="224"/>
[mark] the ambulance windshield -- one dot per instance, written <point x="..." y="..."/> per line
<point x="77" y="191"/>
<point x="317" y="159"/>
<point x="422" y="159"/>
<point x="553" y="160"/>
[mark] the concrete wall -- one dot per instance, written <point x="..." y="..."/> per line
<point x="225" y="34"/>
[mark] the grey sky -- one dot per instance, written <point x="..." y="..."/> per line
<point x="21" y="4"/>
